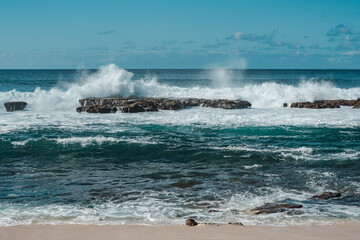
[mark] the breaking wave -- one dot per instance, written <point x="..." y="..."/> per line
<point x="111" y="81"/>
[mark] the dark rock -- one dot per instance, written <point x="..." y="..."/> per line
<point x="133" y="108"/>
<point x="327" y="195"/>
<point x="357" y="105"/>
<point x="151" y="109"/>
<point x="91" y="109"/>
<point x="225" y="104"/>
<point x="97" y="109"/>
<point x="106" y="109"/>
<point x="90" y="101"/>
<point x="285" y="104"/>
<point x="319" y="104"/>
<point x="14" y="106"/>
<point x="80" y="109"/>
<point x="171" y="105"/>
<point x="134" y="105"/>
<point x="213" y="210"/>
<point x="191" y="102"/>
<point x="190" y="222"/>
<point x="274" y="208"/>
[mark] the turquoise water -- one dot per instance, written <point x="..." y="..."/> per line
<point x="58" y="166"/>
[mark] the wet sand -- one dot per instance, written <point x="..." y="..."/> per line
<point x="139" y="232"/>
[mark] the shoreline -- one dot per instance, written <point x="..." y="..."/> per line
<point x="349" y="230"/>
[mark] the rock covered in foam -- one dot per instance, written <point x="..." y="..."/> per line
<point x="15" y="106"/>
<point x="135" y="105"/>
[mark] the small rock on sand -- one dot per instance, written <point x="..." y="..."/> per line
<point x="190" y="222"/>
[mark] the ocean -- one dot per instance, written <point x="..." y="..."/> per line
<point x="58" y="166"/>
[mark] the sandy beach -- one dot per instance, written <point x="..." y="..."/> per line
<point x="104" y="232"/>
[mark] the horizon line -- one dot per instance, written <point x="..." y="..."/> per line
<point x="49" y="69"/>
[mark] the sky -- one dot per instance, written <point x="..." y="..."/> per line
<point x="161" y="34"/>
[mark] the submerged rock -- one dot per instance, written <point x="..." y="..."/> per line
<point x="190" y="222"/>
<point x="15" y="106"/>
<point x="184" y="184"/>
<point x="274" y="208"/>
<point x="135" y="105"/>
<point x="327" y="195"/>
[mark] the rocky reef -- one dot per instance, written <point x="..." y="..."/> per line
<point x="275" y="208"/>
<point x="327" y="104"/>
<point x="135" y="105"/>
<point x="15" y="106"/>
<point x="327" y="195"/>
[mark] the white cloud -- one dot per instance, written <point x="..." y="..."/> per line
<point x="351" y="53"/>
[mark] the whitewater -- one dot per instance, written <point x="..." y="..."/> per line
<point x="112" y="81"/>
<point x="58" y="166"/>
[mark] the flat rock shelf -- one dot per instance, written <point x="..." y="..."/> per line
<point x="134" y="105"/>
<point x="327" y="104"/>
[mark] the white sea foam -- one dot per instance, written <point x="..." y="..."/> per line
<point x="150" y="208"/>
<point x="86" y="141"/>
<point x="200" y="117"/>
<point x="111" y="80"/>
<point x="252" y="166"/>
<point x="98" y="140"/>
<point x="273" y="149"/>
<point x="20" y="143"/>
<point x="108" y="81"/>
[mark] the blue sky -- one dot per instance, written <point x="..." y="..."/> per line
<point x="180" y="34"/>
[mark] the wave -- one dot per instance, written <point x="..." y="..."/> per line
<point x="111" y="81"/>
<point x="108" y="81"/>
<point x="83" y="141"/>
<point x="146" y="208"/>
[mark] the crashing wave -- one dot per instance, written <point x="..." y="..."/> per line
<point x="110" y="81"/>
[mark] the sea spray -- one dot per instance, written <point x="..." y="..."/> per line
<point x="112" y="81"/>
<point x="227" y="75"/>
<point x="221" y="78"/>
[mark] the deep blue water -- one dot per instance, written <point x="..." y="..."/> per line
<point x="58" y="166"/>
<point x="28" y="80"/>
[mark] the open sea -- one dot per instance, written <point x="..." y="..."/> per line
<point x="58" y="166"/>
